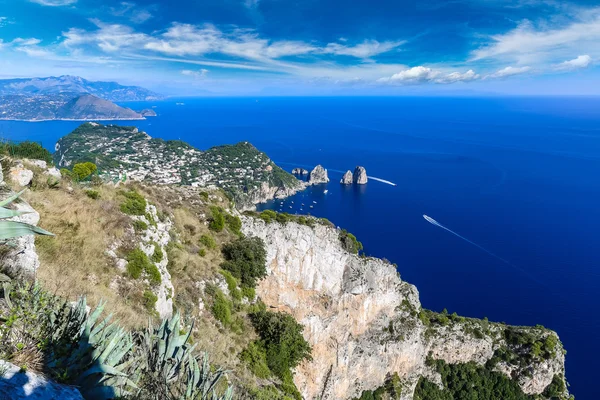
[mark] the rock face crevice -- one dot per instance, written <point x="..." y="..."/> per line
<point x="362" y="320"/>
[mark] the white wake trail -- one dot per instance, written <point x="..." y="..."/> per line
<point x="435" y="223"/>
<point x="381" y="180"/>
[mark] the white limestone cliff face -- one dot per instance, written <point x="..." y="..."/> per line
<point x="360" y="318"/>
<point x="360" y="176"/>
<point x="268" y="192"/>
<point x="157" y="234"/>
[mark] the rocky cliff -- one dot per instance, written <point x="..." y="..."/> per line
<point x="347" y="178"/>
<point x="365" y="323"/>
<point x="360" y="176"/>
<point x="318" y="175"/>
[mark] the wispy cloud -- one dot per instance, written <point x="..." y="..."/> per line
<point x="509" y="71"/>
<point x="580" y="62"/>
<point x="420" y="74"/>
<point x="366" y="49"/>
<point x="3" y="21"/>
<point x="195" y="73"/>
<point x="547" y="40"/>
<point x="54" y="3"/>
<point x="132" y="11"/>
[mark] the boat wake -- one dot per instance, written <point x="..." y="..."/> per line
<point x="381" y="180"/>
<point x="524" y="272"/>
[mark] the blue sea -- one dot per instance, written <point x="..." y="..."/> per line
<point x="519" y="177"/>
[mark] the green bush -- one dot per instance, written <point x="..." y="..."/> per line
<point x="27" y="149"/>
<point x="234" y="223"/>
<point x="236" y="294"/>
<point x="221" y="308"/>
<point x="202" y="252"/>
<point x="134" y="204"/>
<point x="208" y="241"/>
<point x="139" y="225"/>
<point x="255" y="357"/>
<point x="248" y="292"/>
<point x="281" y="337"/>
<point x="349" y="242"/>
<point x="84" y="170"/>
<point x="217" y="221"/>
<point x="150" y="300"/>
<point x="391" y="389"/>
<point x="469" y="381"/>
<point x="268" y="216"/>
<point x="245" y="258"/>
<point x="158" y="255"/>
<point x="92" y="194"/>
<point x="138" y="262"/>
<point x="66" y="173"/>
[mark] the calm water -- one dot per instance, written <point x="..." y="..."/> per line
<point x="518" y="176"/>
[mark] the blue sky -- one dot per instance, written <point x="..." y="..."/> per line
<point x="305" y="47"/>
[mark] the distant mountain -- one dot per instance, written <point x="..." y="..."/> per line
<point x="83" y="107"/>
<point x="110" y="91"/>
<point x="69" y="97"/>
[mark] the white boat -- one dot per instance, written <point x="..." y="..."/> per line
<point x="325" y="191"/>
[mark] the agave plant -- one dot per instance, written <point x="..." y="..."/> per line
<point x="13" y="229"/>
<point x="168" y="368"/>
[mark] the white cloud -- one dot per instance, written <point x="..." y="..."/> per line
<point x="132" y="11"/>
<point x="251" y="3"/>
<point x="366" y="49"/>
<point x="54" y="3"/>
<point x="583" y="61"/>
<point x="509" y="71"/>
<point x="197" y="74"/>
<point x="546" y="41"/>
<point x="3" y="21"/>
<point x="422" y="74"/>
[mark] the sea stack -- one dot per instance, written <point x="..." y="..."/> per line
<point x="318" y="175"/>
<point x="360" y="176"/>
<point x="347" y="179"/>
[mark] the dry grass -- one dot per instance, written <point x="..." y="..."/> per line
<point x="74" y="262"/>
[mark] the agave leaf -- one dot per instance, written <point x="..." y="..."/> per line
<point x="101" y="369"/>
<point x="99" y="393"/>
<point x="6" y="213"/>
<point x="12" y="198"/>
<point x="13" y="229"/>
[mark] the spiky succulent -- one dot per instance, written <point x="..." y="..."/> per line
<point x="13" y="229"/>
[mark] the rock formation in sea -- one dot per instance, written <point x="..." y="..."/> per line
<point x="299" y="171"/>
<point x="318" y="175"/>
<point x="360" y="176"/>
<point x="347" y="178"/>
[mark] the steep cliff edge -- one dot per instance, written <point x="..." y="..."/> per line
<point x="365" y="323"/>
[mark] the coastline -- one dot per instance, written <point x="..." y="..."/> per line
<point x="74" y="120"/>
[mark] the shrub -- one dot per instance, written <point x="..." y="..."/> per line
<point x="134" y="204"/>
<point x="92" y="194"/>
<point x="27" y="149"/>
<point x="349" y="242"/>
<point x="139" y="225"/>
<point x="236" y="294"/>
<point x="158" y="255"/>
<point x="202" y="252"/>
<point x="234" y="223"/>
<point x="84" y="170"/>
<point x="138" y="262"/>
<point x="245" y="259"/>
<point x="255" y="357"/>
<point x="221" y="308"/>
<point x="150" y="300"/>
<point x="248" y="292"/>
<point x="217" y="221"/>
<point x="281" y="337"/>
<point x="268" y="216"/>
<point x="65" y="173"/>
<point x="208" y="241"/>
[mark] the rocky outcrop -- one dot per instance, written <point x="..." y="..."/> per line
<point x="299" y="171"/>
<point x="360" y="176"/>
<point x="318" y="175"/>
<point x="157" y="234"/>
<point x="347" y="178"/>
<point x="21" y="175"/>
<point x="21" y="258"/>
<point x="362" y="321"/>
<point x="25" y="385"/>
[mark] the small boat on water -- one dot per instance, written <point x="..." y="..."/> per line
<point x="314" y="202"/>
<point x="325" y="191"/>
<point x="312" y="206"/>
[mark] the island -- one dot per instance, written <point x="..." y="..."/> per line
<point x="69" y="98"/>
